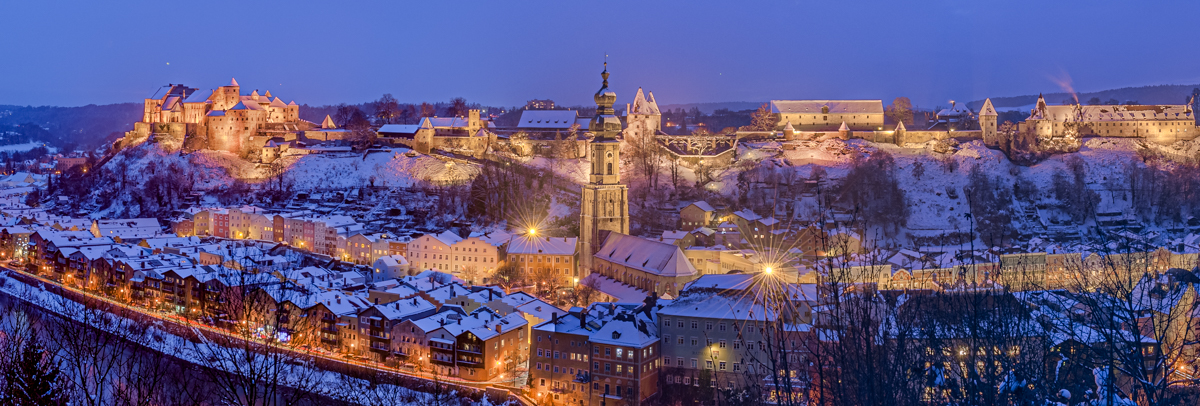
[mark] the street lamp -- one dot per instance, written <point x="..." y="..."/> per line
<point x="532" y="231"/>
<point x="768" y="270"/>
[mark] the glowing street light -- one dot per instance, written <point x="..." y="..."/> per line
<point x="532" y="231"/>
<point x="768" y="270"/>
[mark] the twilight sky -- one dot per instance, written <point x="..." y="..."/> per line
<point x="503" y="53"/>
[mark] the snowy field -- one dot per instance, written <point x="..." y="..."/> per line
<point x="26" y="147"/>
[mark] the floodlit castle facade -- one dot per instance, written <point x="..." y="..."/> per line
<point x="1161" y="124"/>
<point x="642" y="117"/>
<point x="220" y="119"/>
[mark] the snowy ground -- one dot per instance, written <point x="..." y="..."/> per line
<point x="26" y="147"/>
<point x="393" y="167"/>
<point x="933" y="210"/>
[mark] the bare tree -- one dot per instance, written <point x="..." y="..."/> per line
<point x="762" y="119"/>
<point x="257" y="361"/>
<point x="387" y="109"/>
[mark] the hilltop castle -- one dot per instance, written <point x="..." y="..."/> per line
<point x="1161" y="124"/>
<point x="178" y="116"/>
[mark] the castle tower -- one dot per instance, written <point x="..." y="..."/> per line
<point x="789" y="132"/>
<point x="604" y="205"/>
<point x="642" y="118"/>
<point x="987" y="123"/>
<point x="898" y="136"/>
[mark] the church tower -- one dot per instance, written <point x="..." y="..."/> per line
<point x="604" y="205"/>
<point x="987" y="123"/>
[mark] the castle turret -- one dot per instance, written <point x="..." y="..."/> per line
<point x="898" y="136"/>
<point x="844" y="131"/>
<point x="987" y="124"/>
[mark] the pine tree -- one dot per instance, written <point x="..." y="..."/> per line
<point x="34" y="380"/>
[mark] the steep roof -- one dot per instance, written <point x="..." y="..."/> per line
<point x="540" y="309"/>
<point x="987" y="109"/>
<point x="650" y="256"/>
<point x="405" y="308"/>
<point x="553" y="119"/>
<point x="641" y="105"/>
<point x="444" y="122"/>
<point x="399" y="129"/>
<point x="328" y="123"/>
<point x="702" y="205"/>
<point x="525" y="244"/>
<point x="835" y="106"/>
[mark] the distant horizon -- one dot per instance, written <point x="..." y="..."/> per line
<point x="620" y="103"/>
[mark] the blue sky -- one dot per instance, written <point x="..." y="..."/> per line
<point x="503" y="53"/>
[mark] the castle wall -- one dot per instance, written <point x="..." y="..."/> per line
<point x="1163" y="132"/>
<point x="812" y="122"/>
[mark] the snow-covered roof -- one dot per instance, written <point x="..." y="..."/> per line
<point x="618" y="290"/>
<point x="650" y="256"/>
<point x="702" y="205"/>
<point x="642" y="105"/>
<point x="627" y="329"/>
<point x="444" y="122"/>
<point x="1075" y="112"/>
<point x="551" y="119"/>
<point x="391" y="261"/>
<point x="747" y="215"/>
<point x="446" y="292"/>
<point x="399" y="129"/>
<point x="835" y="106"/>
<point x="405" y="308"/>
<point x="734" y="306"/>
<point x="955" y="110"/>
<point x="527" y="244"/>
<point x="446" y="237"/>
<point x="986" y="110"/>
<point x="540" y="309"/>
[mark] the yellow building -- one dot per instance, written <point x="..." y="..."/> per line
<point x="1161" y="124"/>
<point x="829" y="115"/>
<point x="222" y="119"/>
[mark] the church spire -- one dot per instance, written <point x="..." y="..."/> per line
<point x="605" y="124"/>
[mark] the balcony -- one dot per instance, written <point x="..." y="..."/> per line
<point x="330" y="341"/>
<point x="329" y="329"/>
<point x="445" y="362"/>
<point x="474" y="349"/>
<point x="470" y="363"/>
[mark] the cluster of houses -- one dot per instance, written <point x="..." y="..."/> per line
<point x="714" y="330"/>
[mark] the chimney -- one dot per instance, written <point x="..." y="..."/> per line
<point x="489" y="294"/>
<point x="553" y="317"/>
<point x="498" y="331"/>
<point x="376" y="300"/>
<point x="583" y="319"/>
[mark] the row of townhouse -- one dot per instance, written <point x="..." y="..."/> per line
<point x="472" y="258"/>
<point x="163" y="278"/>
<point x="310" y="306"/>
<point x="337" y="236"/>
